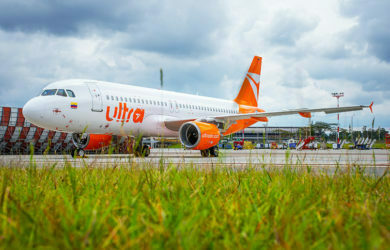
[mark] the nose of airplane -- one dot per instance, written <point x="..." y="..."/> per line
<point x="31" y="111"/>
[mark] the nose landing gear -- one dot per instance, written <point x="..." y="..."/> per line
<point x="80" y="141"/>
<point x="78" y="152"/>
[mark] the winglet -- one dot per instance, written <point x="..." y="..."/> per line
<point x="372" y="103"/>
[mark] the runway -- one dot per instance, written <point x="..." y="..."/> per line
<point x="373" y="161"/>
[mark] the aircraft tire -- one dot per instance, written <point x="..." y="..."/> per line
<point x="78" y="152"/>
<point x="145" y="151"/>
<point x="214" y="151"/>
<point x="205" y="153"/>
<point x="81" y="152"/>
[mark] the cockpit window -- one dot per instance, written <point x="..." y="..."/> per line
<point x="70" y="93"/>
<point x="49" y="92"/>
<point x="61" y="92"/>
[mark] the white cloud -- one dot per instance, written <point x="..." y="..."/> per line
<point x="309" y="49"/>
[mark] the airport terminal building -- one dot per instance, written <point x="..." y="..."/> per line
<point x="17" y="135"/>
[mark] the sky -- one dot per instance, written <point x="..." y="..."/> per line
<point x="309" y="48"/>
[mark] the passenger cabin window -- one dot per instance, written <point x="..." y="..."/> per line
<point x="107" y="97"/>
<point x="61" y="92"/>
<point x="112" y="98"/>
<point x="49" y="92"/>
<point x="71" y="93"/>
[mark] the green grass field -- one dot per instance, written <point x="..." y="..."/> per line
<point x="140" y="207"/>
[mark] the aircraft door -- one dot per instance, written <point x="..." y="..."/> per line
<point x="176" y="107"/>
<point x="170" y="106"/>
<point x="97" y="102"/>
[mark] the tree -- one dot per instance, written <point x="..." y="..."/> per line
<point x="320" y="128"/>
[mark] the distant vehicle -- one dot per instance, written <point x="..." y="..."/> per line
<point x="306" y="143"/>
<point x="228" y="146"/>
<point x="274" y="145"/>
<point x="292" y="143"/>
<point x="225" y="146"/>
<point x="237" y="145"/>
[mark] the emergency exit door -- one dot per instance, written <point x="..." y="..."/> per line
<point x="97" y="102"/>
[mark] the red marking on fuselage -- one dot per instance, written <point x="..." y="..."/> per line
<point x="56" y="110"/>
<point x="128" y="116"/>
<point x="123" y="114"/>
<point x="125" y="109"/>
<point x="138" y="115"/>
<point x="120" y="112"/>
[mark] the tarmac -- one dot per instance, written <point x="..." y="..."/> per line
<point x="375" y="161"/>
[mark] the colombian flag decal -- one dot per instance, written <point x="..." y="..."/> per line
<point x="73" y="105"/>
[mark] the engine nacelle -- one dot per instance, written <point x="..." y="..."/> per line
<point x="199" y="135"/>
<point x="91" y="141"/>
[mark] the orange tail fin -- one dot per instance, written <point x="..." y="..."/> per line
<point x="249" y="92"/>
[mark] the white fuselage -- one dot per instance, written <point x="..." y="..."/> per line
<point x="99" y="108"/>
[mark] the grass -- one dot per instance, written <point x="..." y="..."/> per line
<point x="177" y="145"/>
<point x="139" y="207"/>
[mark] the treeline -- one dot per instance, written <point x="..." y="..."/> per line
<point x="328" y="131"/>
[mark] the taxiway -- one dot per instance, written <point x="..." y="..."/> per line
<point x="373" y="161"/>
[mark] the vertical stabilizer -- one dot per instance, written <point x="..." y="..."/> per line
<point x="249" y="92"/>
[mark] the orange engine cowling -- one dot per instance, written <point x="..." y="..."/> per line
<point x="91" y="141"/>
<point x="199" y="135"/>
<point x="98" y="141"/>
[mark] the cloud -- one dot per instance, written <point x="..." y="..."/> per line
<point x="309" y="49"/>
<point x="368" y="72"/>
<point x="64" y="17"/>
<point x="169" y="27"/>
<point x="288" y="27"/>
<point x="179" y="28"/>
<point x="372" y="27"/>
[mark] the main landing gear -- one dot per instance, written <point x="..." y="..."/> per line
<point x="213" y="152"/>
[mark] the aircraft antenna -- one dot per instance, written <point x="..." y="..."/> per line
<point x="161" y="78"/>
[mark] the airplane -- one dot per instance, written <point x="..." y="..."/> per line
<point x="93" y="111"/>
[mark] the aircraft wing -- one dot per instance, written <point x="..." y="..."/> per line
<point x="292" y="112"/>
<point x="175" y="124"/>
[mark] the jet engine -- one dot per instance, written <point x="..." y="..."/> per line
<point x="199" y="135"/>
<point x="91" y="141"/>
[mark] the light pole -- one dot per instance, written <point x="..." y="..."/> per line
<point x="352" y="128"/>
<point x="338" y="95"/>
